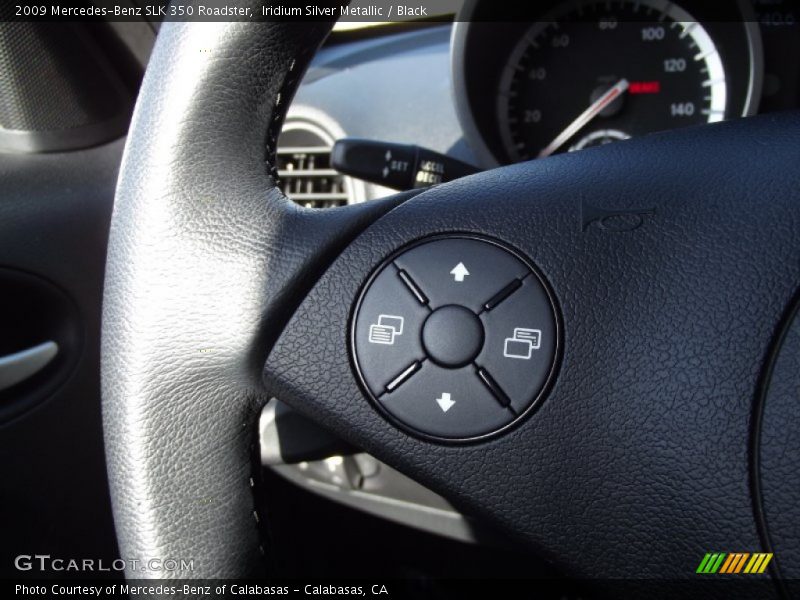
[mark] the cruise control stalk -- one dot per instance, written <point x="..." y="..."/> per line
<point x="397" y="166"/>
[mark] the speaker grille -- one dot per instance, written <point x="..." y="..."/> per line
<point x="55" y="78"/>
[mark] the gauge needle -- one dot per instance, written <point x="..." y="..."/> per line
<point x="590" y="113"/>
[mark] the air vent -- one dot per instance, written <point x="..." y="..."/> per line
<point x="304" y="168"/>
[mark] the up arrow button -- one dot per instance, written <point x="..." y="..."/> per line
<point x="462" y="271"/>
<point x="459" y="272"/>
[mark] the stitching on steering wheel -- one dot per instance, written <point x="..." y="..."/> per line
<point x="291" y="81"/>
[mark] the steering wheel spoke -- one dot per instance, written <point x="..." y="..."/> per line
<point x="671" y="260"/>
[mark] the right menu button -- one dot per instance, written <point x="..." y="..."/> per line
<point x="520" y="346"/>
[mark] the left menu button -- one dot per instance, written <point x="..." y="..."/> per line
<point x="387" y="329"/>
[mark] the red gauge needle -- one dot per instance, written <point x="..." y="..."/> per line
<point x="590" y="113"/>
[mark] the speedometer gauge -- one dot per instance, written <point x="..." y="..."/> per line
<point x="593" y="72"/>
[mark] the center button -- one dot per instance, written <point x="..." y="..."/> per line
<point x="452" y="336"/>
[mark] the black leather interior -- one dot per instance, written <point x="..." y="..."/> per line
<point x="204" y="254"/>
<point x="634" y="466"/>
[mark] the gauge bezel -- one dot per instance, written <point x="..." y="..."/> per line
<point x="483" y="134"/>
<point x="599" y="133"/>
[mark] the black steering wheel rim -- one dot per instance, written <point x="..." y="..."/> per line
<point x="179" y="458"/>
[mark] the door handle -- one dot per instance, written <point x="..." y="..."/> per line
<point x="16" y="368"/>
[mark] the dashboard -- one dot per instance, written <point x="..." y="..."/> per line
<point x="578" y="74"/>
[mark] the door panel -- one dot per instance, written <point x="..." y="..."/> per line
<point x="54" y="216"/>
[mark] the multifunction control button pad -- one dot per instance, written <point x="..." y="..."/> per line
<point x="455" y="337"/>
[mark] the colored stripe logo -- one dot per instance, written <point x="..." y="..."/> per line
<point x="731" y="563"/>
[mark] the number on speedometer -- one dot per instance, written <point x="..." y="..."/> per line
<point x="599" y="71"/>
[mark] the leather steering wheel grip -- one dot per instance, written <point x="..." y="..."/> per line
<point x="203" y="251"/>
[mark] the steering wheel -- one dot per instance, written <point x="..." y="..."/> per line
<point x="666" y="431"/>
